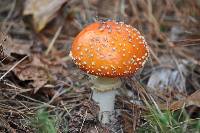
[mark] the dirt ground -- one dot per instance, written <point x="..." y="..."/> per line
<point x="42" y="90"/>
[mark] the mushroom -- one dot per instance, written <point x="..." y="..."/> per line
<point x="108" y="50"/>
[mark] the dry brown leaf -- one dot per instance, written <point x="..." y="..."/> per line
<point x="38" y="75"/>
<point x="11" y="47"/>
<point x="193" y="99"/>
<point x="43" y="11"/>
<point x="40" y="70"/>
<point x="33" y="70"/>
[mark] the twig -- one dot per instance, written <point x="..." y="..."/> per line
<point x="66" y="109"/>
<point x="60" y="92"/>
<point x="13" y="67"/>
<point x="83" y="121"/>
<point x="154" y="55"/>
<point x="21" y="90"/>
<point x="53" y="40"/>
<point x="185" y="43"/>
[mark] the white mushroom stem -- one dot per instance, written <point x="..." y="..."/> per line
<point x="104" y="92"/>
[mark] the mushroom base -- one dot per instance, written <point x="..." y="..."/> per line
<point x="104" y="92"/>
<point x="106" y="102"/>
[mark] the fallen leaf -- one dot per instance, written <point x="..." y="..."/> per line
<point x="43" y="11"/>
<point x="38" y="75"/>
<point x="11" y="47"/>
<point x="193" y="99"/>
<point x="40" y="70"/>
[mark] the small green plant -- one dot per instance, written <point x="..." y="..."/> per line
<point x="167" y="121"/>
<point x="43" y="122"/>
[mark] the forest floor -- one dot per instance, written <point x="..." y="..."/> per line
<point x="41" y="90"/>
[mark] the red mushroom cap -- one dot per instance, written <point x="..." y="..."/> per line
<point x="109" y="49"/>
